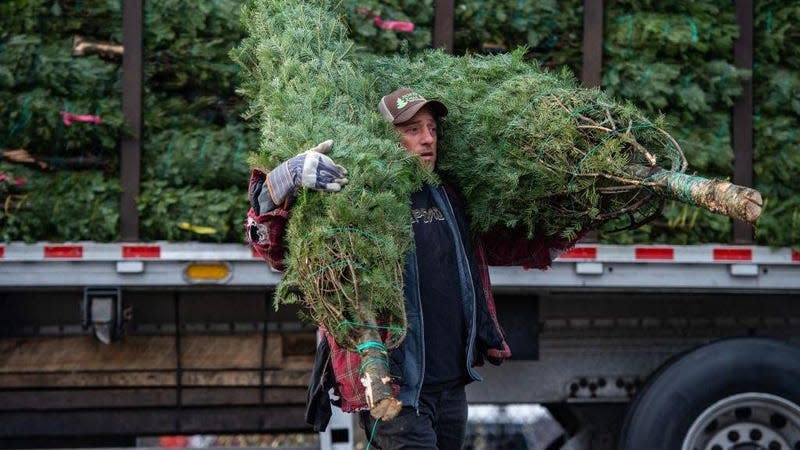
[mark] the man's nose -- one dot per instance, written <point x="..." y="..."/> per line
<point x="427" y="136"/>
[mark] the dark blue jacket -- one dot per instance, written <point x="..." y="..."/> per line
<point x="481" y="331"/>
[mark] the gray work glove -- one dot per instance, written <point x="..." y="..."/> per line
<point x="310" y="169"/>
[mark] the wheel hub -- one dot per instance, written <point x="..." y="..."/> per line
<point x="749" y="421"/>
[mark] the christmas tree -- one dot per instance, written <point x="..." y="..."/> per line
<point x="527" y="148"/>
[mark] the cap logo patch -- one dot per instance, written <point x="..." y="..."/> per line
<point x="404" y="100"/>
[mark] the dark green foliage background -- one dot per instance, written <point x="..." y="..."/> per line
<point x="676" y="59"/>
<point x="195" y="144"/>
<point x="673" y="58"/>
<point x="776" y="80"/>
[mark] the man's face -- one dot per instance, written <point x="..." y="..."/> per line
<point x="418" y="136"/>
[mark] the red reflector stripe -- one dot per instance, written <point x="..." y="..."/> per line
<point x="580" y="253"/>
<point x="63" y="251"/>
<point x="733" y="254"/>
<point x="141" y="251"/>
<point x="666" y="253"/>
<point x="795" y="256"/>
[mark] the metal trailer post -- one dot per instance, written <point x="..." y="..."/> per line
<point x="592" y="63"/>
<point x="444" y="23"/>
<point x="742" y="123"/>
<point x="131" y="145"/>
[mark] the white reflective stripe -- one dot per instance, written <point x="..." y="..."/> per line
<point x="89" y="251"/>
<point x="767" y="255"/>
<point x="206" y="252"/>
<point x="691" y="254"/>
<point x="194" y="251"/>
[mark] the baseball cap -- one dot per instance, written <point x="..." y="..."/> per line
<point x="401" y="105"/>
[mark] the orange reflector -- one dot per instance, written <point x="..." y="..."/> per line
<point x="207" y="272"/>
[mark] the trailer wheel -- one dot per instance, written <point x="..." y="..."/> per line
<point x="740" y="393"/>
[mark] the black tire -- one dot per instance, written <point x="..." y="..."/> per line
<point x="738" y="372"/>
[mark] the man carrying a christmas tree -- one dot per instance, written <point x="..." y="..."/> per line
<point x="452" y="326"/>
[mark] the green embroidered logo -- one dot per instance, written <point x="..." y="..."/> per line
<point x="403" y="101"/>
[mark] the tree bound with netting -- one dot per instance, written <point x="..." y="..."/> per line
<point x="529" y="150"/>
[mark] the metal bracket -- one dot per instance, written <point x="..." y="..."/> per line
<point x="101" y="310"/>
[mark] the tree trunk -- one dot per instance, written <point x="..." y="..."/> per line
<point x="375" y="377"/>
<point x="718" y="196"/>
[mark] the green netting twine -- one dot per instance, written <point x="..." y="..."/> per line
<point x="351" y="324"/>
<point x="613" y="133"/>
<point x="371" y="345"/>
<point x="367" y="361"/>
<point x="204" y="148"/>
<point x="23" y="120"/>
<point x="364" y="233"/>
<point x="372" y="360"/>
<point x="681" y="184"/>
<point x="693" y="26"/>
<point x="336" y="265"/>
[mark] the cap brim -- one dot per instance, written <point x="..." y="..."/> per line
<point x="438" y="108"/>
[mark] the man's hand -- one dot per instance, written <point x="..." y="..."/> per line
<point x="311" y="169"/>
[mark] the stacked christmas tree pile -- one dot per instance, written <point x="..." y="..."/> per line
<point x="550" y="29"/>
<point x="64" y="57"/>
<point x="777" y="114"/>
<point x="61" y="121"/>
<point x="195" y="146"/>
<point x="676" y="58"/>
<point x="389" y="26"/>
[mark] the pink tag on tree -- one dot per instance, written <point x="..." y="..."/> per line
<point x="395" y="25"/>
<point x="69" y="118"/>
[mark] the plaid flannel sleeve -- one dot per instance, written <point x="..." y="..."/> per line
<point x="346" y="366"/>
<point x="511" y="247"/>
<point x="264" y="230"/>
